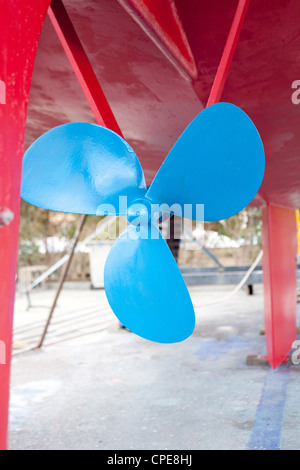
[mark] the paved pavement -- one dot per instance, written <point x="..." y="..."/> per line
<point x="112" y="390"/>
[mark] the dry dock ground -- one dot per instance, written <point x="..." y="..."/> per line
<point x="95" y="386"/>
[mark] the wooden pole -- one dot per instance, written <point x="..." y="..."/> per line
<point x="63" y="277"/>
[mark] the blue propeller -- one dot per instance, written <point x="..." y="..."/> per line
<point x="217" y="165"/>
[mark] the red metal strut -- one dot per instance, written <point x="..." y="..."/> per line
<point x="280" y="281"/>
<point x="20" y="26"/>
<point x="227" y="57"/>
<point x="82" y="66"/>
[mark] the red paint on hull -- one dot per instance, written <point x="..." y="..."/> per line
<point x="227" y="57"/>
<point x="160" y="20"/>
<point x="81" y="66"/>
<point x="153" y="103"/>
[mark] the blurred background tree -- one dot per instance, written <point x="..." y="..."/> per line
<point x="245" y="228"/>
<point x="38" y="225"/>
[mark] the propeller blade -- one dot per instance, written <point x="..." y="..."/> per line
<point x="77" y="167"/>
<point x="145" y="288"/>
<point x="219" y="161"/>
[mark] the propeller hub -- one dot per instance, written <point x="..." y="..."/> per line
<point x="140" y="212"/>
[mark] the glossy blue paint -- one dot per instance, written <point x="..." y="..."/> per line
<point x="77" y="167"/>
<point x="145" y="288"/>
<point x="219" y="161"/>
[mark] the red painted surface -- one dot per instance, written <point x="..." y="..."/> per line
<point x="82" y="66"/>
<point x="227" y="57"/>
<point x="280" y="280"/>
<point x="20" y="25"/>
<point x="162" y="23"/>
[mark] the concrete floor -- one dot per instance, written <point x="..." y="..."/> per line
<point x="113" y="390"/>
